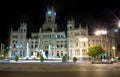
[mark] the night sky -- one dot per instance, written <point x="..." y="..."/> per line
<point x="97" y="13"/>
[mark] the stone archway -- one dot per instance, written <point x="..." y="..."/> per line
<point x="49" y="29"/>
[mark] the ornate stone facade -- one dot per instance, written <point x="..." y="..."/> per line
<point x="55" y="44"/>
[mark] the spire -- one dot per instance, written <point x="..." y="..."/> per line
<point x="40" y="30"/>
<point x="52" y="8"/>
<point x="80" y="26"/>
<point x="11" y="29"/>
<point x="86" y="26"/>
<point x="23" y="24"/>
<point x="71" y="21"/>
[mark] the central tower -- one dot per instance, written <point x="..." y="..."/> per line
<point x="50" y="24"/>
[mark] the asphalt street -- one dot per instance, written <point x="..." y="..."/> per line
<point x="59" y="70"/>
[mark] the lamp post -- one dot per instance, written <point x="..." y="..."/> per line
<point x="116" y="36"/>
<point x="119" y="23"/>
<point x="113" y="51"/>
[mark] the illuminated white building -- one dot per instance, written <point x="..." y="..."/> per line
<point x="77" y="41"/>
<point x="18" y="41"/>
<point x="51" y="41"/>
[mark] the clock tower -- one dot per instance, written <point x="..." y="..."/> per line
<point x="50" y="24"/>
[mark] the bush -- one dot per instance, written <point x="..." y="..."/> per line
<point x="41" y="58"/>
<point x="64" y="59"/>
<point x="2" y="57"/>
<point x="74" y="59"/>
<point x="16" y="58"/>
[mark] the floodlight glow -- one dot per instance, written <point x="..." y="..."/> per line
<point x="119" y="23"/>
<point x="113" y="48"/>
<point x="20" y="45"/>
<point x="54" y="13"/>
<point x="17" y="46"/>
<point x="104" y="32"/>
<point x="115" y="30"/>
<point x="49" y="12"/>
<point x="99" y="32"/>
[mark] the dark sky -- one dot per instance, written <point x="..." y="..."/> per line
<point x="87" y="12"/>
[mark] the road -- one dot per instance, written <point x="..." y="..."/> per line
<point x="59" y="70"/>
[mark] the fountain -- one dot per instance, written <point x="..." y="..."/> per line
<point x="42" y="53"/>
<point x="27" y="53"/>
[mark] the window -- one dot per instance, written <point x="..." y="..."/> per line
<point x="76" y="44"/>
<point x="61" y="46"/>
<point x="20" y="52"/>
<point x="36" y="42"/>
<point x="57" y="46"/>
<point x="24" y="30"/>
<point x="61" y="53"/>
<point x="14" y="45"/>
<point x="23" y="53"/>
<point x="15" y="36"/>
<point x="12" y="41"/>
<point x="49" y="19"/>
<point x="84" y="44"/>
<point x="31" y="52"/>
<point x="36" y="46"/>
<point x="89" y="44"/>
<point x="84" y="52"/>
<point x="58" y="53"/>
<point x="32" y="46"/>
<point x="61" y="41"/>
<point x="70" y="27"/>
<point x="77" y="52"/>
<point x="65" y="45"/>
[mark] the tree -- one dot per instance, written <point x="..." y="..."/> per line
<point x="64" y="59"/>
<point x="95" y="50"/>
<point x="41" y="58"/>
<point x="74" y="59"/>
<point x="4" y="53"/>
<point x="16" y="58"/>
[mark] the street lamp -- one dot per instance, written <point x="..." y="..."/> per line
<point x="100" y="32"/>
<point x="118" y="23"/>
<point x="113" y="51"/>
